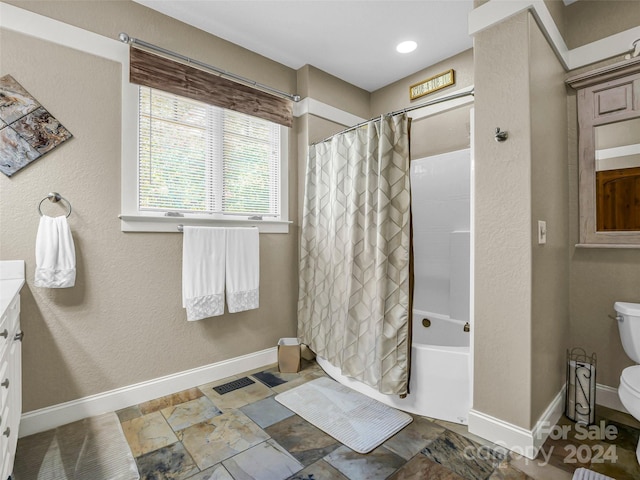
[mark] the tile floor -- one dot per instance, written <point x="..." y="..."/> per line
<point x="199" y="434"/>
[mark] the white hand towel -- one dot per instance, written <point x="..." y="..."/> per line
<point x="203" y="257"/>
<point x="55" y="254"/>
<point x="243" y="269"/>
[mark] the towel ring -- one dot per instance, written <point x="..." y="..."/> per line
<point x="54" y="197"/>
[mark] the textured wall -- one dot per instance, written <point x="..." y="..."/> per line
<point x="333" y="91"/>
<point x="110" y="17"/>
<point x="557" y="9"/>
<point x="503" y="296"/>
<point x="123" y="323"/>
<point x="396" y="95"/>
<point x="591" y="20"/>
<point x="549" y="202"/>
<point x="445" y="132"/>
<point x="599" y="277"/>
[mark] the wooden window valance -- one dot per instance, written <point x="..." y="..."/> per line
<point x="159" y="72"/>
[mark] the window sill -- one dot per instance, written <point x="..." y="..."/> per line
<point x="149" y="223"/>
<point x="606" y="245"/>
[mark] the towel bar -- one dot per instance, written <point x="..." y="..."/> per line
<point x="54" y="197"/>
<point x="181" y="227"/>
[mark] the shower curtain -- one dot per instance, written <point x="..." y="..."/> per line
<point x="353" y="306"/>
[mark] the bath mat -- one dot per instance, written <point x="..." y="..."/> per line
<point x="94" y="448"/>
<point x="584" y="474"/>
<point x="359" y="422"/>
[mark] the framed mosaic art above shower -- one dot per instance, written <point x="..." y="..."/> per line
<point x="27" y="129"/>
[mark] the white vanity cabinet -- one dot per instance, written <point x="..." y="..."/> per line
<point x="11" y="281"/>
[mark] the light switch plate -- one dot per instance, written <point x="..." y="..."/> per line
<point x="542" y="232"/>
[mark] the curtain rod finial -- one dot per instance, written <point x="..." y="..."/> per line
<point x="123" y="37"/>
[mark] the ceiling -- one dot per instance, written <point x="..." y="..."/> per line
<point x="353" y="40"/>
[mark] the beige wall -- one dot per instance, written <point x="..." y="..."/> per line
<point x="444" y="132"/>
<point x="599" y="277"/>
<point x="110" y="17"/>
<point x="592" y="279"/>
<point x="123" y="322"/>
<point x="333" y="91"/>
<point x="557" y="9"/>
<point x="396" y="95"/>
<point x="589" y="20"/>
<point x="549" y="202"/>
<point x="586" y="21"/>
<point x="503" y="224"/>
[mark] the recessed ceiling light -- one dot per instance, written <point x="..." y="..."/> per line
<point x="406" y="47"/>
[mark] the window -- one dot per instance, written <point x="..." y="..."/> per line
<point x="198" y="158"/>
<point x="207" y="164"/>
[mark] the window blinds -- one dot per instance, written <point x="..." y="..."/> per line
<point x="198" y="158"/>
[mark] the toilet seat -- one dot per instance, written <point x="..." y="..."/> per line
<point x="630" y="378"/>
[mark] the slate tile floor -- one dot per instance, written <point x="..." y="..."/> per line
<point x="199" y="434"/>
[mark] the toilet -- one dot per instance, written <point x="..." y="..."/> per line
<point x="628" y="316"/>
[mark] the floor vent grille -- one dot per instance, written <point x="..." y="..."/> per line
<point x="233" y="385"/>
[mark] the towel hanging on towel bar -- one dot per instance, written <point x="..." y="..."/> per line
<point x="55" y="250"/>
<point x="203" y="257"/>
<point x="216" y="261"/>
<point x="242" y="269"/>
<point x="55" y="254"/>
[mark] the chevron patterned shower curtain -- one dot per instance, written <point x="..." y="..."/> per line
<point x="353" y="306"/>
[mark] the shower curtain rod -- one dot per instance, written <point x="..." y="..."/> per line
<point x="124" y="38"/>
<point x="435" y="101"/>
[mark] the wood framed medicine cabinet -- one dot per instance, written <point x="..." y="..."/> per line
<point x="609" y="155"/>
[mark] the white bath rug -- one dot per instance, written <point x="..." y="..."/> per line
<point x="94" y="448"/>
<point x="584" y="474"/>
<point x="359" y="422"/>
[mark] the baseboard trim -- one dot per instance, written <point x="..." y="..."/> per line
<point x="608" y="397"/>
<point x="528" y="442"/>
<point x="51" y="417"/>
<point x="517" y="439"/>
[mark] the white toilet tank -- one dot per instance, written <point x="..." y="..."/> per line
<point x="629" y="327"/>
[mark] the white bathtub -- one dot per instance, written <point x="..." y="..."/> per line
<point x="440" y="383"/>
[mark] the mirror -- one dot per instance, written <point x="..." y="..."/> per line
<point x="617" y="165"/>
<point x="608" y="114"/>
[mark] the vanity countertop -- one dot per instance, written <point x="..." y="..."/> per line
<point x="11" y="281"/>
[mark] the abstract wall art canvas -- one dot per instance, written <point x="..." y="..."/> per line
<point x="27" y="129"/>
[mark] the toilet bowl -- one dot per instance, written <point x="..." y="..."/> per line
<point x="629" y="327"/>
